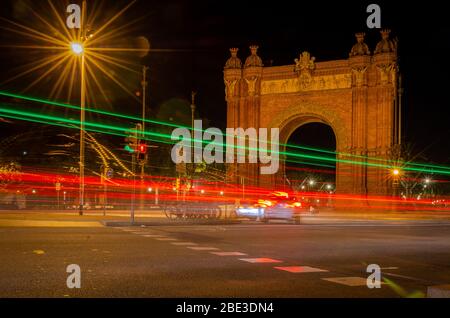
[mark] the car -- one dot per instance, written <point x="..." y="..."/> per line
<point x="250" y="209"/>
<point x="276" y="206"/>
<point x="281" y="210"/>
<point x="282" y="207"/>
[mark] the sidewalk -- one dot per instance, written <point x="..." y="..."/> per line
<point x="383" y="215"/>
<point x="64" y="218"/>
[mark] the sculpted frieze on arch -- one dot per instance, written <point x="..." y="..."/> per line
<point x="306" y="83"/>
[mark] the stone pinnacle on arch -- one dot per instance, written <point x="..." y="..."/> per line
<point x="360" y="48"/>
<point x="386" y="45"/>
<point x="253" y="59"/>
<point x="233" y="62"/>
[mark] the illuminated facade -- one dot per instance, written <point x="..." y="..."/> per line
<point x="357" y="97"/>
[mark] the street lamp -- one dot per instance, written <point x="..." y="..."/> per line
<point x="77" y="48"/>
<point x="395" y="172"/>
<point x="427" y="180"/>
<point x="311" y="182"/>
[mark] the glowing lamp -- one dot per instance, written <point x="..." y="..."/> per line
<point x="77" y="48"/>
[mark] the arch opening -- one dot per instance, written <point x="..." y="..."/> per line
<point x="310" y="160"/>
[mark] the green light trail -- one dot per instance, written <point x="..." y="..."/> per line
<point x="102" y="112"/>
<point x="121" y="131"/>
<point x="124" y="135"/>
<point x="37" y="118"/>
<point x="34" y="99"/>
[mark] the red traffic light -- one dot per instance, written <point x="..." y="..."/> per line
<point x="142" y="148"/>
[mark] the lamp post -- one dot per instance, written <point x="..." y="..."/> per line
<point x="193" y="135"/>
<point x="396" y="181"/>
<point x="192" y="123"/>
<point x="78" y="49"/>
<point x="144" y="160"/>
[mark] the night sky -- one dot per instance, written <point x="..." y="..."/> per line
<point x="201" y="32"/>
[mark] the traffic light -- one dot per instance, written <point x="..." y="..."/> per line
<point x="132" y="140"/>
<point x="141" y="151"/>
<point x="142" y="148"/>
<point x="130" y="145"/>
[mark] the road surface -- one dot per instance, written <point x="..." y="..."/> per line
<point x="236" y="260"/>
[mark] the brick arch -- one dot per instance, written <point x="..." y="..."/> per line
<point x="357" y="97"/>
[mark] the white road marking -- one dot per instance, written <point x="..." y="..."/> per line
<point x="348" y="281"/>
<point x="228" y="253"/>
<point x="439" y="291"/>
<point x="300" y="269"/>
<point x="184" y="243"/>
<point x="154" y="236"/>
<point x="405" y="277"/>
<point x="202" y="248"/>
<point x="166" y="239"/>
<point x="260" y="260"/>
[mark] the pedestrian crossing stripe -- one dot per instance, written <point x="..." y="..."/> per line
<point x="260" y="260"/>
<point x="202" y="248"/>
<point x="228" y="253"/>
<point x="300" y="269"/>
<point x="348" y="281"/>
<point x="184" y="243"/>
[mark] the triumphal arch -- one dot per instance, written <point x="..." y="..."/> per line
<point x="358" y="97"/>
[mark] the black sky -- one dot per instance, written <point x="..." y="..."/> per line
<point x="202" y="31"/>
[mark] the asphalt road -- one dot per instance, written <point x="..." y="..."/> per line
<point x="179" y="261"/>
